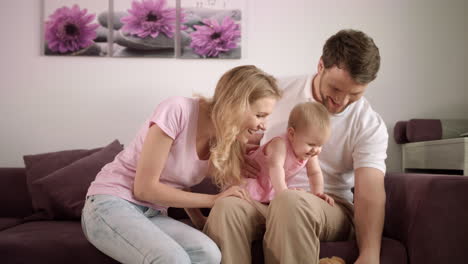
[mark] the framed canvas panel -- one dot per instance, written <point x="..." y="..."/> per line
<point x="72" y="28"/>
<point x="144" y="28"/>
<point x="211" y="29"/>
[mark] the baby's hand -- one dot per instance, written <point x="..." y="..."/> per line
<point x="326" y="198"/>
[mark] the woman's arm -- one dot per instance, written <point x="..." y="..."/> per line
<point x="276" y="155"/>
<point x="147" y="186"/>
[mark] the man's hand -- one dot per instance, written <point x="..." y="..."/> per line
<point x="367" y="259"/>
<point x="251" y="167"/>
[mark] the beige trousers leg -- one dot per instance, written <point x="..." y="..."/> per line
<point x="233" y="224"/>
<point x="296" y="222"/>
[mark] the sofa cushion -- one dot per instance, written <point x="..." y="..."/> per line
<point x="67" y="164"/>
<point x="7" y="222"/>
<point x="15" y="200"/>
<point x="48" y="242"/>
<point x="66" y="188"/>
<point x="40" y="165"/>
<point x="423" y="130"/>
<point x="399" y="132"/>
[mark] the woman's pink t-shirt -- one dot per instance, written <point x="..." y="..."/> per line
<point x="261" y="189"/>
<point x="178" y="118"/>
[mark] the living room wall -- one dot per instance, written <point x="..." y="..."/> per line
<point x="57" y="103"/>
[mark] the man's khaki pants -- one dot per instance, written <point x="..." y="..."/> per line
<point x="294" y="224"/>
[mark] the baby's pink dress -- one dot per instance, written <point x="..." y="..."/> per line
<point x="261" y="189"/>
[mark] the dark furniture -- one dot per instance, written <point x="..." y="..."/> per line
<point x="426" y="222"/>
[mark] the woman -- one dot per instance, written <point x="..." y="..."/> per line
<point x="125" y="211"/>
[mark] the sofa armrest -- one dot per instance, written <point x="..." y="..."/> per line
<point x="428" y="214"/>
<point x="15" y="200"/>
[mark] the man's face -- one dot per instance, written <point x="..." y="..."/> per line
<point x="336" y="89"/>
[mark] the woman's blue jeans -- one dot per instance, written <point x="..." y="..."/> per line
<point x="131" y="233"/>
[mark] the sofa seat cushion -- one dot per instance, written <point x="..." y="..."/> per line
<point x="48" y="242"/>
<point x="392" y="251"/>
<point x="7" y="222"/>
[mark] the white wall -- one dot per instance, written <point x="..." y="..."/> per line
<point x="56" y="103"/>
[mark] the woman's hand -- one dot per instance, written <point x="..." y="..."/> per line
<point x="235" y="191"/>
<point x="326" y="198"/>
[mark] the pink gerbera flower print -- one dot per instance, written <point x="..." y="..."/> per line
<point x="150" y="18"/>
<point x="70" y="29"/>
<point x="212" y="38"/>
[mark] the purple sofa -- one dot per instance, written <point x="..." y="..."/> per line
<point x="426" y="222"/>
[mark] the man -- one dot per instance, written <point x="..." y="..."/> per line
<point x="355" y="154"/>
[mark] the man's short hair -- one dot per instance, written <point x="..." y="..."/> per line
<point x="355" y="52"/>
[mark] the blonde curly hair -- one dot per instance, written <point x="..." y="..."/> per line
<point x="235" y="92"/>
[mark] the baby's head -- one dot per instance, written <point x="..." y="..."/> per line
<point x="308" y="129"/>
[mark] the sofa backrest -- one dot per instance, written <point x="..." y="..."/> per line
<point x="15" y="200"/>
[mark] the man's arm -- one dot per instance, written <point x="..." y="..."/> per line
<point x="369" y="212"/>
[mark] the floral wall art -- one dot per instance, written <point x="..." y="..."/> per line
<point x="71" y="28"/>
<point x="211" y="29"/>
<point x="144" y="28"/>
<point x="188" y="29"/>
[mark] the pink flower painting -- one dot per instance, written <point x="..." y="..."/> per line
<point x="149" y="18"/>
<point x="70" y="29"/>
<point x="213" y="38"/>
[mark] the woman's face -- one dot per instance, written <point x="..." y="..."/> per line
<point x="255" y="117"/>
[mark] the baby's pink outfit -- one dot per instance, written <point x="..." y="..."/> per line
<point x="261" y="189"/>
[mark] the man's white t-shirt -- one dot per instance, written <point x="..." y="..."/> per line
<point x="358" y="138"/>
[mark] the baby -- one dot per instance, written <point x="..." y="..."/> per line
<point x="284" y="156"/>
